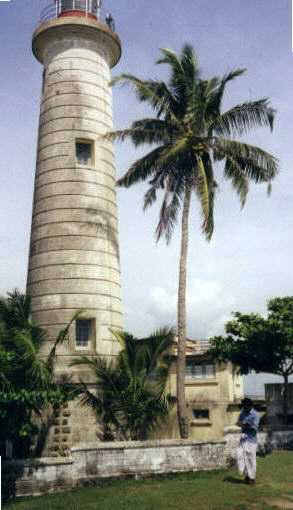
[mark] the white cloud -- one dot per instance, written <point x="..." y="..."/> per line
<point x="209" y="307"/>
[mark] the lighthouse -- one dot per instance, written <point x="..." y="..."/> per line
<point x="74" y="247"/>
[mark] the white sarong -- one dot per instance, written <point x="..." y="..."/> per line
<point x="246" y="459"/>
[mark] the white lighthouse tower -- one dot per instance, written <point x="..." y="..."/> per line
<point x="74" y="250"/>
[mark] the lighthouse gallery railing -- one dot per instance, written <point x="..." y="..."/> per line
<point x="60" y="7"/>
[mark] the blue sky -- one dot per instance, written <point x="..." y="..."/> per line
<point x="249" y="258"/>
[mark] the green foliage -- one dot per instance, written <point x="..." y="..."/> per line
<point x="130" y="398"/>
<point x="190" y="133"/>
<point x="27" y="383"/>
<point x="261" y="344"/>
<point x="257" y="343"/>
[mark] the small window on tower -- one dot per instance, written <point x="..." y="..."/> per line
<point x="84" y="152"/>
<point x="201" y="414"/>
<point x="84" y="333"/>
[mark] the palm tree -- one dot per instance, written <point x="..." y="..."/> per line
<point x="27" y="380"/>
<point x="190" y="133"/>
<point x="130" y="397"/>
<point x="22" y="335"/>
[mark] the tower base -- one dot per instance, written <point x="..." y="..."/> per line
<point x="66" y="427"/>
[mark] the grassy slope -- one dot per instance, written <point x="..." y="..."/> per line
<point x="201" y="491"/>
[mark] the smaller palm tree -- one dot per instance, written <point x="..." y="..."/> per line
<point x="130" y="397"/>
<point x="27" y="382"/>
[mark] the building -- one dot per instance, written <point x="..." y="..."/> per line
<point x="213" y="392"/>
<point x="274" y="395"/>
<point x="74" y="248"/>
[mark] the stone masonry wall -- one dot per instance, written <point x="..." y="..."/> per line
<point x="101" y="460"/>
<point x="90" y="462"/>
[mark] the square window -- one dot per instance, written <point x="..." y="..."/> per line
<point x="84" y="331"/>
<point x="196" y="370"/>
<point x="84" y="152"/>
<point x="201" y="414"/>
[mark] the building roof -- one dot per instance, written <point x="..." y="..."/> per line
<point x="196" y="347"/>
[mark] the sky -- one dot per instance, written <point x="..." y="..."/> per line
<point x="248" y="260"/>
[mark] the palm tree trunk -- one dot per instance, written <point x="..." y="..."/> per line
<point x="181" y="357"/>
<point x="285" y="398"/>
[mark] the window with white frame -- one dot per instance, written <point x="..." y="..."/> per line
<point x="195" y="370"/>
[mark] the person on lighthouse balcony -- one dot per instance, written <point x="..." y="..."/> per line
<point x="110" y="22"/>
<point x="246" y="451"/>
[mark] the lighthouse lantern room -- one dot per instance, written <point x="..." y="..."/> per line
<point x="78" y="8"/>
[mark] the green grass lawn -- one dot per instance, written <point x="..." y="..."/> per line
<point x="217" y="490"/>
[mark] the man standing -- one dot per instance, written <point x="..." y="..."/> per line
<point x="246" y="452"/>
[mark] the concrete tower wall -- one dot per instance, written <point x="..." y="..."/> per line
<point x="74" y="252"/>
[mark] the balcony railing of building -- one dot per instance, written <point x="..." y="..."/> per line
<point x="87" y="8"/>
